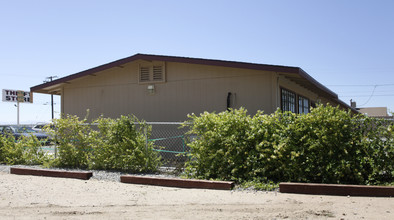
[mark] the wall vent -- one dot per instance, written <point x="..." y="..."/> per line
<point x="144" y="74"/>
<point x="153" y="72"/>
<point x="157" y="73"/>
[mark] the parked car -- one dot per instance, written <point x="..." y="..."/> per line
<point x="39" y="127"/>
<point x="19" y="131"/>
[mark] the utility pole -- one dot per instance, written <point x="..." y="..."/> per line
<point x="17" y="113"/>
<point x="50" y="79"/>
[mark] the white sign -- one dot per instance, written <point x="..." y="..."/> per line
<point x="17" y="96"/>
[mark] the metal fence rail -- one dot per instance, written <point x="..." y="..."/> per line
<point x="170" y="140"/>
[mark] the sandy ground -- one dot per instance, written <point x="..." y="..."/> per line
<point x="31" y="197"/>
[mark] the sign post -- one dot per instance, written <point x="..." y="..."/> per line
<point x="17" y="96"/>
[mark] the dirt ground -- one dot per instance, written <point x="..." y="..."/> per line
<point x="31" y="197"/>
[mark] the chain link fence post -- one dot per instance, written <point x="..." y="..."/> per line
<point x="146" y="144"/>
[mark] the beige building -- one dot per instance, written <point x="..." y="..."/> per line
<point x="374" y="111"/>
<point x="167" y="88"/>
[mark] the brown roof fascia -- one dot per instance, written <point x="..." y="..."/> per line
<point x="305" y="75"/>
<point x="83" y="73"/>
<point x="200" y="61"/>
<point x="223" y="63"/>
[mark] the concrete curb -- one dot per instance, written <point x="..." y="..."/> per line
<point x="52" y="173"/>
<point x="336" y="189"/>
<point x="182" y="183"/>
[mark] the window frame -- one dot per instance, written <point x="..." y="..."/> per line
<point x="304" y="107"/>
<point x="285" y="101"/>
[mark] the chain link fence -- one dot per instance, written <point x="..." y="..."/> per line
<point x="170" y="140"/>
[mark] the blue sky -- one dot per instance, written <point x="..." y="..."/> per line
<point x="346" y="45"/>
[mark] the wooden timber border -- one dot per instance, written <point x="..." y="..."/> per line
<point x="181" y="183"/>
<point x="83" y="175"/>
<point x="337" y="189"/>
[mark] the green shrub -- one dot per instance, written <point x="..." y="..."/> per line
<point x="116" y="144"/>
<point x="378" y="145"/>
<point x="32" y="152"/>
<point x="27" y="150"/>
<point x="122" y="144"/>
<point x="322" y="147"/>
<point x="10" y="154"/>
<point x="328" y="145"/>
<point x="3" y="143"/>
<point x="220" y="151"/>
<point x="73" y="140"/>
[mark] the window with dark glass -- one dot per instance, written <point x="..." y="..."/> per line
<point x="313" y="104"/>
<point x="303" y="105"/>
<point x="288" y="101"/>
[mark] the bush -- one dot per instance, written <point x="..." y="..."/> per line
<point x="220" y="151"/>
<point x="27" y="150"/>
<point x="322" y="147"/>
<point x="378" y="145"/>
<point x="73" y="140"/>
<point x="117" y="144"/>
<point x="328" y="145"/>
<point x="122" y="144"/>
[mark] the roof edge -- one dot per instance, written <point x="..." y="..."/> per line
<point x="302" y="73"/>
<point x="138" y="56"/>
<point x="344" y="104"/>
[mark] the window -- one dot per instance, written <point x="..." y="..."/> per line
<point x="151" y="73"/>
<point x="313" y="104"/>
<point x="290" y="101"/>
<point x="303" y="105"/>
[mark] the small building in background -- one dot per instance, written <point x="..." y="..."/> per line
<point x="374" y="111"/>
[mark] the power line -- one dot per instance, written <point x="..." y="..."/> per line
<point x="364" y="95"/>
<point x="363" y="92"/>
<point x="365" y="85"/>
<point x="373" y="92"/>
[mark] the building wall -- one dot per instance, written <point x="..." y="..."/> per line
<point x="374" y="111"/>
<point x="189" y="88"/>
